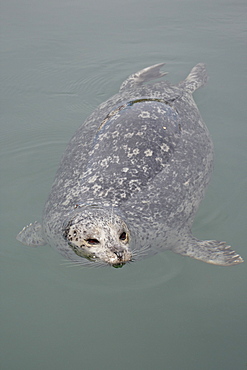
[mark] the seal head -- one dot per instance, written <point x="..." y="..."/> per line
<point x="98" y="235"/>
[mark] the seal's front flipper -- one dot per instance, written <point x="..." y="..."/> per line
<point x="197" y="78"/>
<point x="31" y="235"/>
<point x="145" y="75"/>
<point x="210" y="251"/>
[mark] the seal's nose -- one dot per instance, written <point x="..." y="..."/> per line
<point x="119" y="254"/>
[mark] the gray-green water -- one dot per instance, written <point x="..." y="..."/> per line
<point x="59" y="60"/>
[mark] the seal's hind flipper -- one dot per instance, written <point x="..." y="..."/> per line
<point x="197" y="78"/>
<point x="31" y="235"/>
<point x="145" y="75"/>
<point x="210" y="251"/>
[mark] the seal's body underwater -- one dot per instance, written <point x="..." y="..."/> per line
<point x="132" y="178"/>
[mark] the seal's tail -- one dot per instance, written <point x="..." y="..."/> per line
<point x="197" y="78"/>
<point x="145" y="75"/>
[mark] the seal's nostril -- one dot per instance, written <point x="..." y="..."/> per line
<point x="119" y="255"/>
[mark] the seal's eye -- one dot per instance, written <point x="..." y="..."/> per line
<point x="92" y="241"/>
<point x="123" y="236"/>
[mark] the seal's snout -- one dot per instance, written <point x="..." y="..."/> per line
<point x="119" y="252"/>
<point x="122" y="258"/>
<point x="119" y="255"/>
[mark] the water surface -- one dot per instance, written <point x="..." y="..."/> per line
<point x="59" y="60"/>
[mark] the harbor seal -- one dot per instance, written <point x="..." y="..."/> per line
<point x="132" y="178"/>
